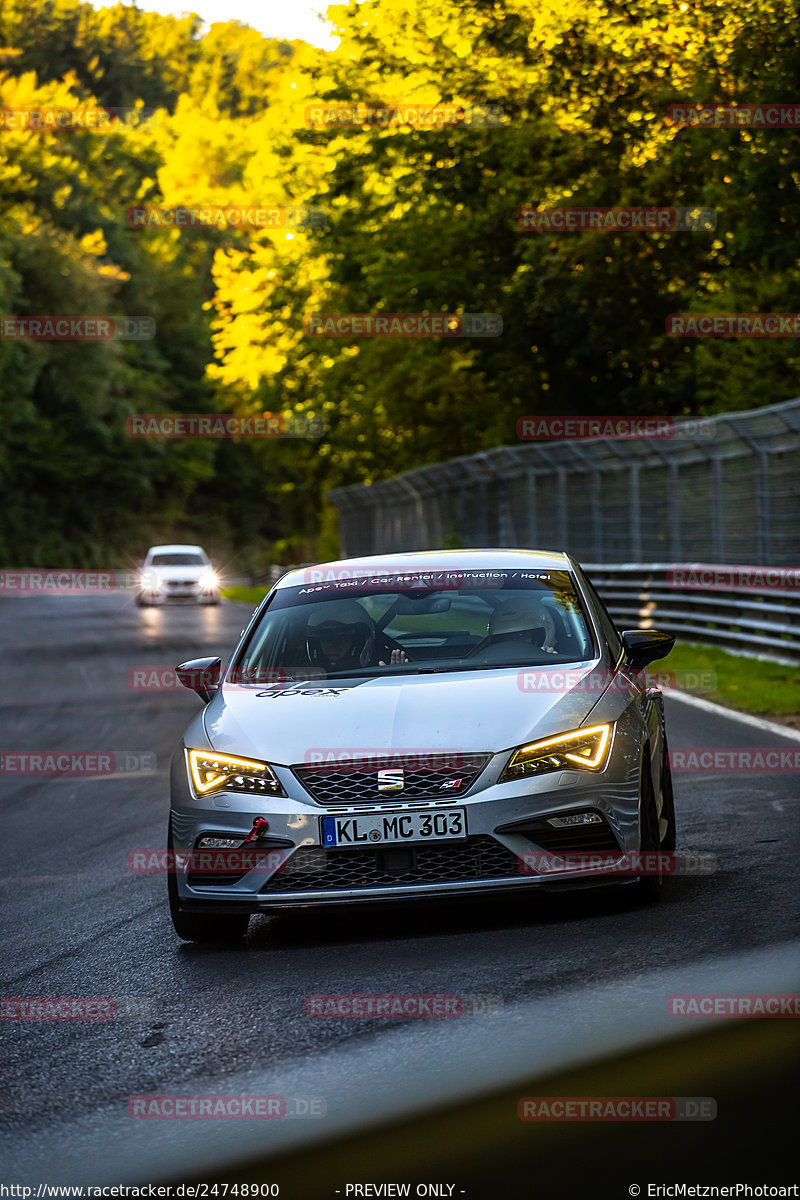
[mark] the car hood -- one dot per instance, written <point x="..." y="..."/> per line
<point x="467" y="711"/>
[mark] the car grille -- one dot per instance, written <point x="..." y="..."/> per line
<point x="312" y="869"/>
<point x="181" y="583"/>
<point x="432" y="777"/>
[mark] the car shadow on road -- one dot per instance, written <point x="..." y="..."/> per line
<point x="408" y="920"/>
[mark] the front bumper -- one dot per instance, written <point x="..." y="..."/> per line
<point x="491" y="860"/>
<point x="188" y="593"/>
<point x="211" y="903"/>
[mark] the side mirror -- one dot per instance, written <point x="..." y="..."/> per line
<point x="201" y="675"/>
<point x="643" y="646"/>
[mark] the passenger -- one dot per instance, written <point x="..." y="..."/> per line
<point x="524" y="620"/>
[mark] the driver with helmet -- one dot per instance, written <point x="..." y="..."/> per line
<point x="340" y="636"/>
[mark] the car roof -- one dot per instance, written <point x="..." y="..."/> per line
<point x="431" y="560"/>
<point x="175" y="548"/>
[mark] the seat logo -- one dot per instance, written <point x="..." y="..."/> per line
<point x="391" y="779"/>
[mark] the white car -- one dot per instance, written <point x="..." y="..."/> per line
<point x="177" y="573"/>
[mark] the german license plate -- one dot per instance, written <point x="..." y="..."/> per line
<point x="373" y="829"/>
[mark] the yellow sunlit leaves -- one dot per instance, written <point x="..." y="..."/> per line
<point x="94" y="243"/>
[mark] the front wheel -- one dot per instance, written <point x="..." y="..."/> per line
<point x="667" y="828"/>
<point x="649" y="887"/>
<point x="202" y="927"/>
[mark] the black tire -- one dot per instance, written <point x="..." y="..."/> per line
<point x="669" y="840"/>
<point x="202" y="927"/>
<point x="141" y="602"/>
<point x="649" y="887"/>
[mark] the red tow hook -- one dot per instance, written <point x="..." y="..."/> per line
<point x="260" y="826"/>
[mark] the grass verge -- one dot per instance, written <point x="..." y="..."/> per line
<point x="752" y="685"/>
<point x="247" y="595"/>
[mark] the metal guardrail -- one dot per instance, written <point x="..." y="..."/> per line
<point x="760" y="621"/>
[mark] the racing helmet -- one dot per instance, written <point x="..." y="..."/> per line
<point x="339" y="618"/>
<point x="522" y="615"/>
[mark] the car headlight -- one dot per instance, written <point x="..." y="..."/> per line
<point x="152" y="582"/>
<point x="208" y="579"/>
<point x="225" y="773"/>
<point x="586" y="749"/>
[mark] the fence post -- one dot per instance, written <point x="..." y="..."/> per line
<point x="763" y="498"/>
<point x="717" y="515"/>
<point x="563" y="517"/>
<point x="595" y="496"/>
<point x="674" y="508"/>
<point x="636" y="515"/>
<point x="532" y="529"/>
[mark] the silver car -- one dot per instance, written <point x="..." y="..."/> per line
<point x="448" y="723"/>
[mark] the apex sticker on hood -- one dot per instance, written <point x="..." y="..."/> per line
<point x="278" y="693"/>
<point x="310" y="687"/>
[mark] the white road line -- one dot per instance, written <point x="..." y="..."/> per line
<point x="733" y="714"/>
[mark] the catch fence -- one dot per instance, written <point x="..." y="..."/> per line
<point x="723" y="489"/>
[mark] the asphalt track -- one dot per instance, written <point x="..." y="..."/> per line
<point x="207" y="1020"/>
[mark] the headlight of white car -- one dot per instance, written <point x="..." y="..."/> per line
<point x="582" y="749"/>
<point x="208" y="579"/>
<point x="212" y="772"/>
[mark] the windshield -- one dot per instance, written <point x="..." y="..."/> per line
<point x="177" y="560"/>
<point x="477" y="620"/>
